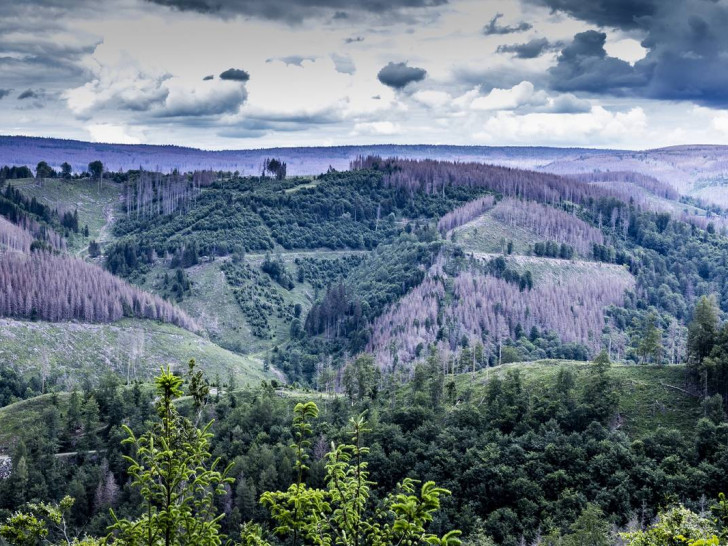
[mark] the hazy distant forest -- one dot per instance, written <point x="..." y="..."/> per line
<point x="409" y="351"/>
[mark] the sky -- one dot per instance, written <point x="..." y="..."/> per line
<point x="227" y="74"/>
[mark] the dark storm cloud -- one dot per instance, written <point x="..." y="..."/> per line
<point x="208" y="78"/>
<point x="399" y="75"/>
<point x="28" y="94"/>
<point x="530" y="50"/>
<point x="224" y="102"/>
<point x="31" y="56"/>
<point x="687" y="46"/>
<point x="4" y="93"/>
<point x="493" y="28"/>
<point x="235" y="74"/>
<point x="624" y="14"/>
<point x="584" y="65"/>
<point x="293" y="11"/>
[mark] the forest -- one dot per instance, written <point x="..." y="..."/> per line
<point x="48" y="287"/>
<point x="563" y="342"/>
<point x="537" y="461"/>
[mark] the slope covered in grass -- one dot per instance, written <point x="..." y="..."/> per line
<point x="95" y="202"/>
<point x="69" y="353"/>
<point x="650" y="396"/>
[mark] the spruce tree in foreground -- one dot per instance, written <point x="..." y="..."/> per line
<point x="177" y="480"/>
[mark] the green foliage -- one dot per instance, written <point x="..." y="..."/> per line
<point x="257" y="297"/>
<point x="552" y="249"/>
<point x="341" y="513"/>
<point x="42" y="523"/>
<point x="177" y="286"/>
<point x="386" y="275"/>
<point x="360" y="378"/>
<point x="277" y="271"/>
<point x="714" y="368"/>
<point x="600" y="390"/>
<point x="197" y="387"/>
<point x="341" y="211"/>
<point x="96" y="169"/>
<point x="702" y="331"/>
<point x="589" y="528"/>
<point x="323" y="272"/>
<point x="94" y="249"/>
<point x="677" y="526"/>
<point x="650" y="348"/>
<point x="172" y="470"/>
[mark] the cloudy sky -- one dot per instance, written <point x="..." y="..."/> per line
<point x="256" y="73"/>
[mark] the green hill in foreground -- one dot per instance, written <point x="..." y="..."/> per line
<point x="70" y="352"/>
<point x="650" y="396"/>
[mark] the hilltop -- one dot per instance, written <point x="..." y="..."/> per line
<point x="20" y="150"/>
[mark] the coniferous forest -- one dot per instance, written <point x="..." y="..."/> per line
<point x="409" y="351"/>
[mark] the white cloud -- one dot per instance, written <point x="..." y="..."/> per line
<point x="204" y="98"/>
<point x="519" y="95"/>
<point x="432" y="98"/>
<point x="106" y="132"/>
<point x="720" y="122"/>
<point x="343" y="64"/>
<point x="376" y="128"/>
<point x="597" y="127"/>
<point x="152" y="75"/>
<point x="123" y="83"/>
<point x="120" y="82"/>
<point x="627" y="49"/>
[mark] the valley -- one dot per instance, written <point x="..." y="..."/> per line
<point x="496" y="315"/>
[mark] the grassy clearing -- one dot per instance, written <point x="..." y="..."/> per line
<point x="212" y="304"/>
<point x="487" y="234"/>
<point x="71" y="352"/>
<point x="311" y="184"/>
<point x="24" y="414"/>
<point x="646" y="402"/>
<point x="554" y="270"/>
<point x="95" y="204"/>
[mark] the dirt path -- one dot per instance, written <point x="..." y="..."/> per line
<point x="104" y="231"/>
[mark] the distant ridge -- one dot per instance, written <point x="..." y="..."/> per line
<point x="23" y="150"/>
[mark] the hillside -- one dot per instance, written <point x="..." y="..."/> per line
<point x="650" y="396"/>
<point x="96" y="204"/>
<point x="69" y="353"/>
<point x="648" y="399"/>
<point x="305" y="272"/>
